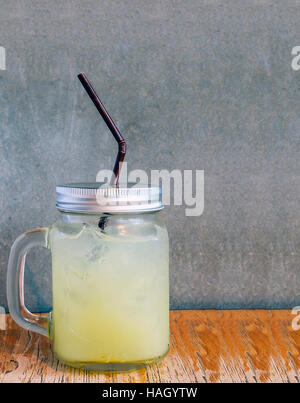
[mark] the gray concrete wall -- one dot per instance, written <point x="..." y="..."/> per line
<point x="212" y="78"/>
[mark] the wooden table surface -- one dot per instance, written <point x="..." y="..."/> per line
<point x="206" y="346"/>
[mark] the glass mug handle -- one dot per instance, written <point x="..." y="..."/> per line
<point x="15" y="281"/>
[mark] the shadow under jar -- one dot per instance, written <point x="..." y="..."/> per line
<point x="110" y="271"/>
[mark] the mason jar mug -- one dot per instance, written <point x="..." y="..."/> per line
<point x="110" y="278"/>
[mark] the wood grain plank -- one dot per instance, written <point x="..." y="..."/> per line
<point x="206" y="346"/>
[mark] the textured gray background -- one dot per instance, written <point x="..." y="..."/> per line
<point x="192" y="85"/>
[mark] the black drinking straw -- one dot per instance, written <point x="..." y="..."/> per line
<point x="110" y="124"/>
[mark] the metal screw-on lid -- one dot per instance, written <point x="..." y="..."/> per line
<point x="103" y="198"/>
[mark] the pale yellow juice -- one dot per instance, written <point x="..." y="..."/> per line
<point x="110" y="293"/>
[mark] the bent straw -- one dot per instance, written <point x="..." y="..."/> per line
<point x="110" y="124"/>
